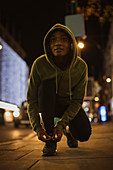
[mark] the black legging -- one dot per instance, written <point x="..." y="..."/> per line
<point x="80" y="127"/>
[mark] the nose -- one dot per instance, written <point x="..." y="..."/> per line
<point x="58" y="41"/>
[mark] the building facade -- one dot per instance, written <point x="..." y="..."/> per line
<point x="13" y="70"/>
<point x="108" y="68"/>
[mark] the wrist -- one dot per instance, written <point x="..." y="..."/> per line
<point x="40" y="129"/>
<point x="59" y="127"/>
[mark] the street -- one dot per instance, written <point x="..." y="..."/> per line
<point x="8" y="132"/>
<point x="24" y="151"/>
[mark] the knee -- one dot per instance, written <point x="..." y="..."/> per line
<point x="83" y="139"/>
<point x="85" y="136"/>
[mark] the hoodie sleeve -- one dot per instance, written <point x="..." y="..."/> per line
<point x="32" y="98"/>
<point x="75" y="104"/>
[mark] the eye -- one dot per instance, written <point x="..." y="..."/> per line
<point x="64" y="39"/>
<point x="53" y="39"/>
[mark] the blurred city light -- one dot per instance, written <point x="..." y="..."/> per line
<point x="8" y="106"/>
<point x="103" y="113"/>
<point x="96" y="105"/>
<point x="108" y="80"/>
<point x="1" y="46"/>
<point x="95" y="120"/>
<point x="16" y="113"/>
<point x="7" y="113"/>
<point x="8" y="116"/>
<point x="90" y="119"/>
<point x="86" y="109"/>
<point x="91" y="115"/>
<point x="96" y="98"/>
<point x="104" y="77"/>
<point x="81" y="45"/>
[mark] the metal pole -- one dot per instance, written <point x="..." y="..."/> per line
<point x="74" y="4"/>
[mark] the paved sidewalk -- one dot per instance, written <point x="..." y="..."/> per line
<point x="96" y="154"/>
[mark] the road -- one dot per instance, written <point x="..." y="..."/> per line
<point x="9" y="133"/>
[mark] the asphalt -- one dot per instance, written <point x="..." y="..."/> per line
<point x="95" y="154"/>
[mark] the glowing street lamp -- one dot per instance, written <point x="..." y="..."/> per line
<point x="96" y="99"/>
<point x="81" y="45"/>
<point x="108" y="80"/>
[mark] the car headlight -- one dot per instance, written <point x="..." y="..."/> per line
<point x="8" y="116"/>
<point x="16" y="113"/>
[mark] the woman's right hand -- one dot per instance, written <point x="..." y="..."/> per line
<point x="43" y="136"/>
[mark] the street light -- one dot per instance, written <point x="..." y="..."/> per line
<point x="81" y="45"/>
<point x="108" y="80"/>
<point x="96" y="98"/>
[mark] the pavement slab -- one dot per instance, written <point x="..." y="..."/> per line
<point x="95" y="154"/>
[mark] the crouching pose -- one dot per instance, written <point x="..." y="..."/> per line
<point x="56" y="89"/>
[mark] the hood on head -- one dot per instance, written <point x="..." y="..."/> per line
<point x="46" y="43"/>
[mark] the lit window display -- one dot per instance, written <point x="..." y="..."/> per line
<point x="13" y="75"/>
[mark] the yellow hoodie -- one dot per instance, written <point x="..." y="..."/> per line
<point x="70" y="83"/>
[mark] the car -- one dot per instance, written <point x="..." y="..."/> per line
<point x="20" y="117"/>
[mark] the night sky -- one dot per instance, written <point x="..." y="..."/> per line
<point x="32" y="19"/>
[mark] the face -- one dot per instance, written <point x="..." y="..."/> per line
<point x="60" y="44"/>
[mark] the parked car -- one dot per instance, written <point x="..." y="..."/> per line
<point x="20" y="117"/>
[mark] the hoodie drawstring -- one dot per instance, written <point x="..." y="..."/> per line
<point x="70" y="93"/>
<point x="56" y="83"/>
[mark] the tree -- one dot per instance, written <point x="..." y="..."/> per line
<point x="102" y="9"/>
